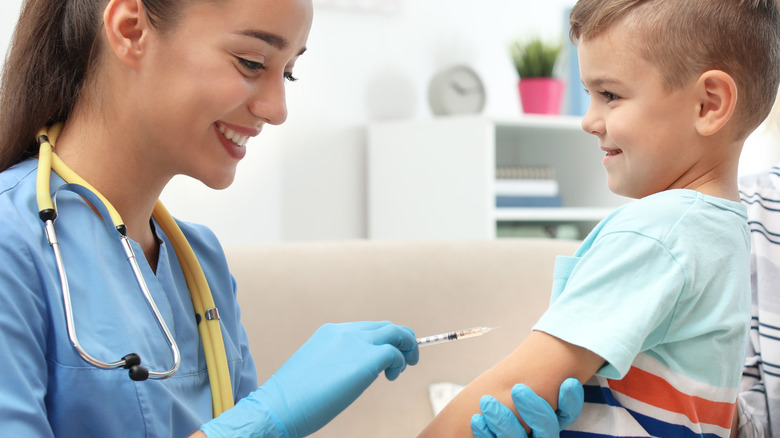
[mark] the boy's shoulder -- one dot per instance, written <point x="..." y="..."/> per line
<point x="675" y="211"/>
<point x="676" y="202"/>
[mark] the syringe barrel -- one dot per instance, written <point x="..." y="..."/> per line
<point x="437" y="339"/>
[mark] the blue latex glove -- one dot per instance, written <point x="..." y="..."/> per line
<point x="498" y="421"/>
<point x="319" y="381"/>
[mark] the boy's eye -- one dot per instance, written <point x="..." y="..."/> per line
<point x="609" y="96"/>
<point x="290" y="77"/>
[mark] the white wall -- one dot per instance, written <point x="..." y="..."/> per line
<point x="305" y="180"/>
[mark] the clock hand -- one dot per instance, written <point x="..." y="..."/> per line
<point x="461" y="90"/>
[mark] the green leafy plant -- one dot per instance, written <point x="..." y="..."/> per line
<point x="535" y="58"/>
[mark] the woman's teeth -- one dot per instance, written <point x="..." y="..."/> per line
<point x="233" y="136"/>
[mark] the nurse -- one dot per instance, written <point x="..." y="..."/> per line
<point x="130" y="93"/>
<point x="143" y="91"/>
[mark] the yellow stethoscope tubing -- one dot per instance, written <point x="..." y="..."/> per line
<point x="209" y="328"/>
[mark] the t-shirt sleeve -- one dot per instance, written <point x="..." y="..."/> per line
<point x="615" y="300"/>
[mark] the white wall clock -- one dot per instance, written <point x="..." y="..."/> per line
<point x="456" y="90"/>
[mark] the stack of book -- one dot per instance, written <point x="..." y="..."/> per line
<point x="526" y="186"/>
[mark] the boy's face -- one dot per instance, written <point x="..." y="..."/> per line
<point x="645" y="130"/>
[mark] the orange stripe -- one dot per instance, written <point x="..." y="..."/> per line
<point x="653" y="390"/>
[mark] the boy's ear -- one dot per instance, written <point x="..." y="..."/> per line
<point x="717" y="97"/>
<point x="127" y="29"/>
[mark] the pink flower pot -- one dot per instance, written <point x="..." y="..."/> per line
<point x="541" y="95"/>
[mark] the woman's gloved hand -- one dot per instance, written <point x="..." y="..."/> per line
<point x="319" y="380"/>
<point x="498" y="421"/>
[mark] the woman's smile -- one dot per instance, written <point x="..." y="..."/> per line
<point x="234" y="138"/>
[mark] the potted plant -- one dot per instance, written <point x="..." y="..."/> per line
<point x="534" y="60"/>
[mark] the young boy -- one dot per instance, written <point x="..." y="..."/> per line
<point x="653" y="310"/>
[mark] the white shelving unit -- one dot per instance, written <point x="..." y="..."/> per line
<point x="434" y="179"/>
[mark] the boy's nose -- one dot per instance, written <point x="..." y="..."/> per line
<point x="592" y="123"/>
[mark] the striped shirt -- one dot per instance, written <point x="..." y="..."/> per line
<point x="653" y="400"/>
<point x="658" y="290"/>
<point x="759" y="400"/>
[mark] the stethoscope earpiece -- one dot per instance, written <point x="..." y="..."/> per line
<point x="136" y="371"/>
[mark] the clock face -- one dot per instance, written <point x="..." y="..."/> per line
<point x="457" y="90"/>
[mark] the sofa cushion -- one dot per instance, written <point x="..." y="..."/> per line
<point x="287" y="290"/>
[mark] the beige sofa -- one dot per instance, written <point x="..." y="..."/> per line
<point x="287" y="290"/>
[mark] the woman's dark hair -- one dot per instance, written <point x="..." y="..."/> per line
<point x="53" y="47"/>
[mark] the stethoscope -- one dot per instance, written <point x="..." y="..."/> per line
<point x="206" y="312"/>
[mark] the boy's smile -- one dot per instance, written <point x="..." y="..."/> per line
<point x="610" y="153"/>
<point x="645" y="130"/>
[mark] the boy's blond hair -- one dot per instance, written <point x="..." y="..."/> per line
<point x="685" y="38"/>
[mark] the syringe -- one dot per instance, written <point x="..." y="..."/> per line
<point x="453" y="336"/>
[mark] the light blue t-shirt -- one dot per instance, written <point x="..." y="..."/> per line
<point x="660" y="290"/>
<point x="47" y="388"/>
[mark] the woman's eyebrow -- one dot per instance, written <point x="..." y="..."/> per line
<point x="274" y="40"/>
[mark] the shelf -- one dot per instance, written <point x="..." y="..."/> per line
<point x="435" y="179"/>
<point x="542" y="122"/>
<point x="563" y="214"/>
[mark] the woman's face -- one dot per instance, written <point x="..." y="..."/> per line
<point x="212" y="82"/>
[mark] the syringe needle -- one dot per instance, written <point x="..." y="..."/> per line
<point x="453" y="336"/>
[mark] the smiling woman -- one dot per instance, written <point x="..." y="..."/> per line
<point x="118" y="96"/>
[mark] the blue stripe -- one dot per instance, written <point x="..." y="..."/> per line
<point x="653" y="426"/>
<point x="574" y="433"/>
<point x="771" y="373"/>
<point x="769" y="364"/>
<point x="760" y="203"/>
<point x="660" y="428"/>
<point x="773" y="327"/>
<point x="758" y="390"/>
<point x="759" y="224"/>
<point x="766" y="235"/>
<point x="745" y="197"/>
<point x="764" y="335"/>
<point x="599" y="395"/>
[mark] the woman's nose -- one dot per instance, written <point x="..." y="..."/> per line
<point x="269" y="102"/>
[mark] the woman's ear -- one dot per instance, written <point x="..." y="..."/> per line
<point x="127" y="29"/>
<point x="717" y="94"/>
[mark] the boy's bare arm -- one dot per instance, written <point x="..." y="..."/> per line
<point x="542" y="362"/>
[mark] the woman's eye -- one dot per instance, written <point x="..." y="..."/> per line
<point x="252" y="66"/>
<point x="257" y="67"/>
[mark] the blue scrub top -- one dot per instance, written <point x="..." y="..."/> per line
<point x="47" y="388"/>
